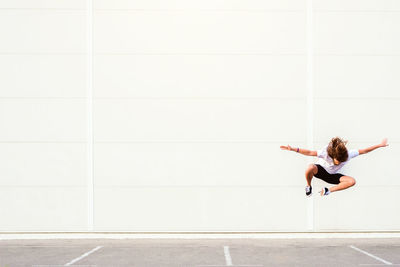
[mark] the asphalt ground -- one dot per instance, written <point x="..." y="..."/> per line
<point x="200" y="252"/>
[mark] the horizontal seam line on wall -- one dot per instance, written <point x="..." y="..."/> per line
<point x="44" y="186"/>
<point x="41" y="97"/>
<point x="150" y="54"/>
<point x="198" y="54"/>
<point x="152" y="141"/>
<point x="166" y="98"/>
<point x="43" y="142"/>
<point x="255" y="10"/>
<point x="225" y="186"/>
<point x="244" y="98"/>
<point x="357" y="54"/>
<point x="195" y="54"/>
<point x="200" y="10"/>
<point x="181" y="141"/>
<point x="42" y="9"/>
<point x="391" y="98"/>
<point x="397" y="98"/>
<point x="242" y="10"/>
<point x="197" y="141"/>
<point x="355" y="11"/>
<point x="42" y="53"/>
<point x="261" y="98"/>
<point x="202" y="98"/>
<point x="123" y="186"/>
<point x="202" y="232"/>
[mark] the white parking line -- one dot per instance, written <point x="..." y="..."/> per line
<point x="372" y="256"/>
<point x="228" y="258"/>
<point x="84" y="255"/>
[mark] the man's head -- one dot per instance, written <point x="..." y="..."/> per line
<point x="337" y="150"/>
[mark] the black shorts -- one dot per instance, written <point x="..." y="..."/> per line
<point x="327" y="177"/>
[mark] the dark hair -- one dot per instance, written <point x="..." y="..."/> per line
<point x="337" y="149"/>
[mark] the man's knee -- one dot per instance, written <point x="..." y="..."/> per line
<point x="349" y="180"/>
<point x="312" y="168"/>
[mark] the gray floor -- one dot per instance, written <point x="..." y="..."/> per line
<point x="201" y="252"/>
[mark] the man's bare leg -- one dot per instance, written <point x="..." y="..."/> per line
<point x="345" y="182"/>
<point x="310" y="172"/>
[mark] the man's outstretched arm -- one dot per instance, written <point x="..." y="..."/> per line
<point x="371" y="148"/>
<point x="303" y="151"/>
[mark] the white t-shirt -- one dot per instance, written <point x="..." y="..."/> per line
<point x="327" y="162"/>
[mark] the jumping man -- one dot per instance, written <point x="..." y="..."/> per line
<point x="331" y="159"/>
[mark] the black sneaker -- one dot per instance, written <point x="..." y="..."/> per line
<point x="308" y="191"/>
<point x="324" y="192"/>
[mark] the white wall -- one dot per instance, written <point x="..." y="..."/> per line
<point x="191" y="100"/>
<point x="42" y="116"/>
<point x="357" y="64"/>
